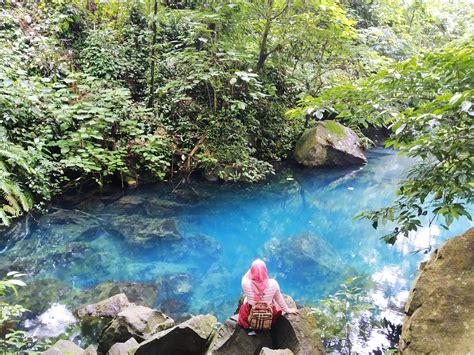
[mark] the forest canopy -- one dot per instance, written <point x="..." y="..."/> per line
<point x="139" y="91"/>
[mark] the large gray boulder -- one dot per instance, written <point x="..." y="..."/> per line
<point x="329" y="144"/>
<point x="108" y="308"/>
<point x="190" y="337"/>
<point x="297" y="332"/>
<point x="94" y="317"/>
<point x="123" y="348"/>
<point x="232" y="339"/>
<point x="62" y="347"/>
<point x="134" y="321"/>
<point x="440" y="306"/>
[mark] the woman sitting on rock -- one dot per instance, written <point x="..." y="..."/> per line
<point x="259" y="288"/>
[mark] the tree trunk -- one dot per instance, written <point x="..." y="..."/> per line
<point x="153" y="59"/>
<point x="263" y="55"/>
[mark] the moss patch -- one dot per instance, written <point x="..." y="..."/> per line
<point x="335" y="128"/>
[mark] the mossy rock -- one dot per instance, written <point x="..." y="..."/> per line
<point x="141" y="231"/>
<point x="134" y="321"/>
<point x="329" y="144"/>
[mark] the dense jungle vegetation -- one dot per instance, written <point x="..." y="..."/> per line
<point x="132" y="92"/>
<point x="138" y="91"/>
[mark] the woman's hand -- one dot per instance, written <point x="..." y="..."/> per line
<point x="293" y="311"/>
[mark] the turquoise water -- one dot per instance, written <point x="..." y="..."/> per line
<point x="188" y="248"/>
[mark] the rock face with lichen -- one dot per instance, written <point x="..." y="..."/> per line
<point x="329" y="144"/>
<point x="440" y="307"/>
<point x="141" y="330"/>
<point x="134" y="321"/>
<point x="231" y="339"/>
<point x="189" y="337"/>
<point x="94" y="317"/>
<point x="297" y="333"/>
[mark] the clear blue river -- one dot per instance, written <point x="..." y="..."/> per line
<point x="185" y="251"/>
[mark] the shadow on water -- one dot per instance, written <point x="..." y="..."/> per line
<point x="186" y="251"/>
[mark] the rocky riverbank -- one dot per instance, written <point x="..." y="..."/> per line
<point x="440" y="307"/>
<point x="122" y="327"/>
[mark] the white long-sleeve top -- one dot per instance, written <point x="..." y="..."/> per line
<point x="272" y="293"/>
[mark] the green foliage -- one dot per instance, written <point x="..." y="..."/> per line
<point x="13" y="341"/>
<point x="77" y="102"/>
<point x="14" y="199"/>
<point x="207" y="99"/>
<point x="19" y="179"/>
<point x="121" y="55"/>
<point x="102" y="133"/>
<point x="10" y="314"/>
<point x="431" y="98"/>
<point x="60" y="128"/>
<point x="336" y="316"/>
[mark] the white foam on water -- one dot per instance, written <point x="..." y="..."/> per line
<point x="53" y="322"/>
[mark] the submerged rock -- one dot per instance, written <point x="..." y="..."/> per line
<point x="176" y="284"/>
<point x="440" y="311"/>
<point x="142" y="230"/>
<point x="232" y="339"/>
<point x="134" y="321"/>
<point x="313" y="257"/>
<point x="176" y="308"/>
<point x="33" y="260"/>
<point x="145" y="205"/>
<point x="328" y="144"/>
<point x="199" y="247"/>
<point x="190" y="337"/>
<point x="40" y="294"/>
<point x="65" y="216"/>
<point x="176" y="290"/>
<point x="130" y="204"/>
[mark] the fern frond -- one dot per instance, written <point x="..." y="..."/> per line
<point x="14" y="198"/>
<point x="10" y="210"/>
<point x="15" y="208"/>
<point x="16" y="155"/>
<point x="4" y="218"/>
<point x="24" y="197"/>
<point x="6" y="185"/>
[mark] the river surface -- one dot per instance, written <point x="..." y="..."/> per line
<point x="185" y="251"/>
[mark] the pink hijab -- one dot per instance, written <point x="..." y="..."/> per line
<point x="258" y="274"/>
